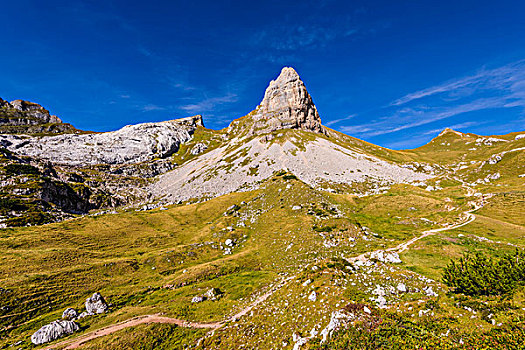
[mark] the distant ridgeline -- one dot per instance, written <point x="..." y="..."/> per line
<point x="23" y="117"/>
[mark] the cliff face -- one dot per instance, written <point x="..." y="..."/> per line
<point x="23" y="117"/>
<point x="131" y="144"/>
<point x="286" y="105"/>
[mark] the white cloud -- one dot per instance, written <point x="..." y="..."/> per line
<point x="209" y="104"/>
<point x="336" y="121"/>
<point x="509" y="77"/>
<point x="505" y="87"/>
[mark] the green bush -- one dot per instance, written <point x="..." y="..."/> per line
<point x="476" y="274"/>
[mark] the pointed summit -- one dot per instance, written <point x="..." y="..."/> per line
<point x="286" y="105"/>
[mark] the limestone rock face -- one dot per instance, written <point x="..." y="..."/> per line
<point x="21" y="116"/>
<point x="96" y="304"/>
<point x="286" y="105"/>
<point x="131" y="144"/>
<point x="53" y="331"/>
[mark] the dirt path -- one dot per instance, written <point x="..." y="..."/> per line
<point x="405" y="245"/>
<point x="158" y="318"/>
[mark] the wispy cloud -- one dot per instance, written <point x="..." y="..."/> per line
<point x="337" y="121"/>
<point x="509" y="78"/>
<point x="502" y="87"/>
<point x="152" y="107"/>
<point x="208" y="104"/>
<point x="321" y="31"/>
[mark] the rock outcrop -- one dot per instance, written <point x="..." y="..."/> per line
<point x="286" y="105"/>
<point x="69" y="314"/>
<point x="131" y="144"/>
<point x="96" y="304"/>
<point x="26" y="117"/>
<point x="53" y="331"/>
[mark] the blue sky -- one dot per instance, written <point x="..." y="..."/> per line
<point x="394" y="73"/>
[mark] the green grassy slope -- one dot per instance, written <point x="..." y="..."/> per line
<point x="156" y="261"/>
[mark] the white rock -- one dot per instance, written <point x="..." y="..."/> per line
<point x="69" y="314"/>
<point x="430" y="292"/>
<point x="53" y="331"/>
<point x="307" y="282"/>
<point x="96" y="304"/>
<point x="198" y="148"/>
<point x="131" y="144"/>
<point x="386" y="257"/>
<point x="197" y="299"/>
<point x="312" y="296"/>
<point x="401" y="288"/>
<point x="337" y="320"/>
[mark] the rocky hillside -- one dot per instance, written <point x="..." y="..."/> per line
<point x="23" y="117"/>
<point x="180" y="160"/>
<point x="284" y="132"/>
<point x="131" y="144"/>
<point x="50" y="178"/>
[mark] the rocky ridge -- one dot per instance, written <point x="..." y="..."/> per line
<point x="131" y="144"/>
<point x="21" y="116"/>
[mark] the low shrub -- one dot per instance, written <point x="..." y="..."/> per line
<point x="477" y="274"/>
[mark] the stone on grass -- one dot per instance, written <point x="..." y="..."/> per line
<point x="96" y="304"/>
<point x="53" y="331"/>
<point x="69" y="314"/>
<point x="338" y="319"/>
<point x="401" y="288"/>
<point x="197" y="299"/>
<point x="213" y="294"/>
<point x="312" y="296"/>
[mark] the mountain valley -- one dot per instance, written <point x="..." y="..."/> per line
<point x="276" y="232"/>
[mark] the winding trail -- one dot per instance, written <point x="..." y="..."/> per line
<point x="405" y="245"/>
<point x="158" y="318"/>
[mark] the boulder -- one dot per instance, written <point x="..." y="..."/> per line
<point x="213" y="294"/>
<point x="338" y="319"/>
<point x="312" y="296"/>
<point x="386" y="257"/>
<point x="401" y="287"/>
<point x="53" y="331"/>
<point x="96" y="304"/>
<point x="197" y="299"/>
<point x="198" y="148"/>
<point x="69" y="314"/>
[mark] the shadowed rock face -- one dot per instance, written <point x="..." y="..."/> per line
<point x="286" y="105"/>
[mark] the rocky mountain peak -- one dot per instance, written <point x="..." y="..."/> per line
<point x="286" y="105"/>
<point x="19" y="117"/>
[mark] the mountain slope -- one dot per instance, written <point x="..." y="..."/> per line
<point x="294" y="236"/>
<point x="283" y="133"/>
